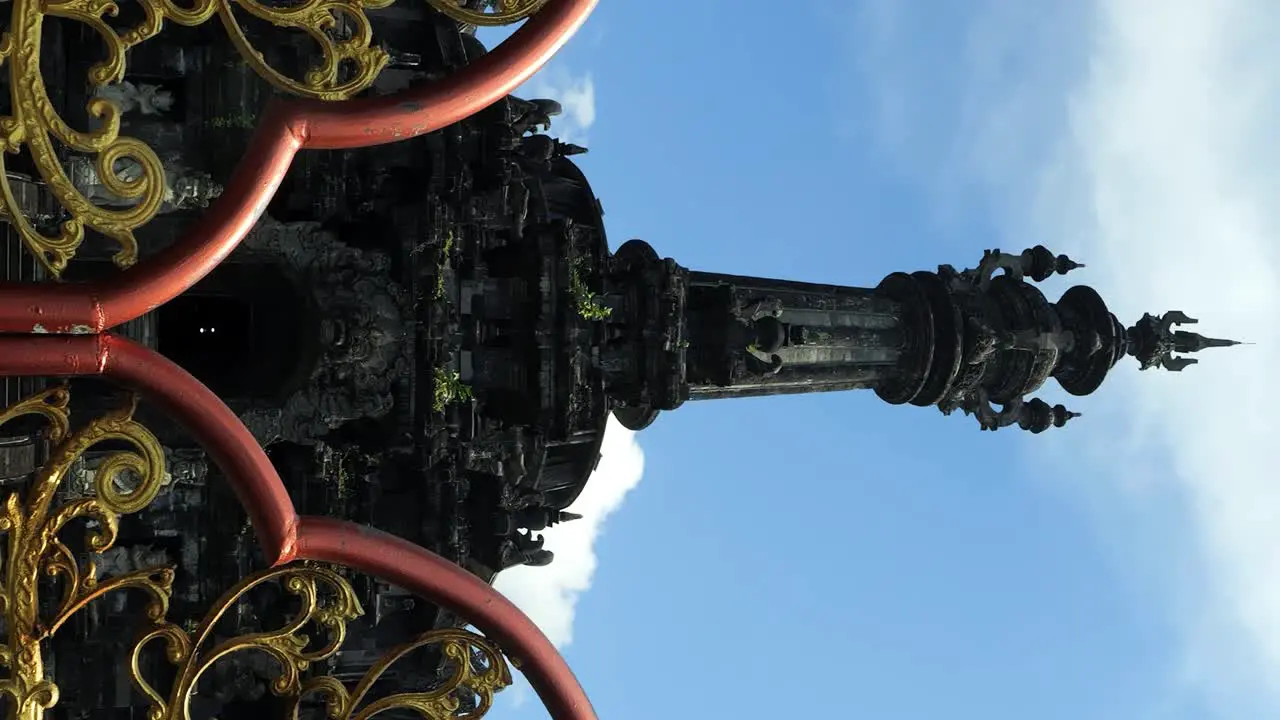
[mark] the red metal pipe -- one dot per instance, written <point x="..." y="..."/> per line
<point x="213" y="425"/>
<point x="284" y="129"/>
<point x="415" y="111"/>
<point x="424" y="573"/>
<point x="80" y="308"/>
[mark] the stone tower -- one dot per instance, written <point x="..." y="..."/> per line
<point x="978" y="340"/>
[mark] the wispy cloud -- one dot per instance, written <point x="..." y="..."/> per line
<point x="575" y="92"/>
<point x="550" y="594"/>
<point x="560" y="80"/>
<point x="1139" y="135"/>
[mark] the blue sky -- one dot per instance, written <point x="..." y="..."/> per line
<point x="835" y="557"/>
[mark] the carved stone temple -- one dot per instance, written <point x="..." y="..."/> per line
<point x="429" y="337"/>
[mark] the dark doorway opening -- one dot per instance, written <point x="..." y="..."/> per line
<point x="243" y="332"/>
<point x="211" y="336"/>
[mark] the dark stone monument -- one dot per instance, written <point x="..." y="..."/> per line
<point x="430" y="336"/>
<point x="967" y="340"/>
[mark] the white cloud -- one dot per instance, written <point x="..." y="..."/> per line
<point x="1173" y="138"/>
<point x="549" y="595"/>
<point x="1154" y="160"/>
<point x="575" y="92"/>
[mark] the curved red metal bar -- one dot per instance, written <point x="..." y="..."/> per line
<point x="421" y="571"/>
<point x="185" y="399"/>
<point x="416" y="111"/>
<point x="281" y="534"/>
<point x="286" y="128"/>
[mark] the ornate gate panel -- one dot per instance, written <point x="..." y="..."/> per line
<point x="60" y="328"/>
<point x="314" y="122"/>
<point x="128" y="480"/>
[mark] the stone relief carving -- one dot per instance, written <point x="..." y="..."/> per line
<point x="361" y="331"/>
<point x="141" y="97"/>
<point x="184" y="188"/>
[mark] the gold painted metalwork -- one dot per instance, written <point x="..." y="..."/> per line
<point x="326" y="604"/>
<point x="35" y="124"/>
<point x="126" y="481"/>
<point x="500" y="12"/>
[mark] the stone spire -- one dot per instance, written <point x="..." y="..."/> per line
<point x="981" y="340"/>
<point x="1153" y="341"/>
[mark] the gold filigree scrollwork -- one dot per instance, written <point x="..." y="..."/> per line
<point x="317" y="18"/>
<point x="473" y="670"/>
<point x="326" y="602"/>
<point x="35" y="124"/>
<point x="491" y="13"/>
<point x="126" y="481"/>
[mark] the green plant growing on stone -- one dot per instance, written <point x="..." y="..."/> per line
<point x="343" y="482"/>
<point x="442" y="263"/>
<point x="588" y="307"/>
<point x="243" y="121"/>
<point x="449" y="389"/>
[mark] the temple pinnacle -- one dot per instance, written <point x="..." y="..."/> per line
<point x="1064" y="265"/>
<point x="1153" y="341"/>
<point x="1041" y="263"/>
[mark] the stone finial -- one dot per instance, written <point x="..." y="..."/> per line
<point x="1040" y="264"/>
<point x="1037" y="263"/>
<point x="1037" y="416"/>
<point x="1154" y="342"/>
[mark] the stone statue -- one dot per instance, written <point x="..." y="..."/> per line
<point x="362" y="334"/>
<point x="190" y="190"/>
<point x="186" y="466"/>
<point x="144" y="98"/>
<point x="534" y="115"/>
<point x="184" y="188"/>
<point x="522" y="549"/>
